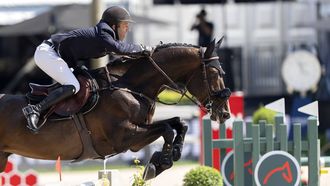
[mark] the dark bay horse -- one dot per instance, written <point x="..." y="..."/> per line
<point x="122" y="118"/>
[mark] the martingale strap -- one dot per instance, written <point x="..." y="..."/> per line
<point x="88" y="151"/>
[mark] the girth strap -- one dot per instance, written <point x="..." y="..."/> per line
<point x="88" y="151"/>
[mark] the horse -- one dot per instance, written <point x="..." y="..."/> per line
<point x="121" y="118"/>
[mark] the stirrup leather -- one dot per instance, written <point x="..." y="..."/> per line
<point x="28" y="111"/>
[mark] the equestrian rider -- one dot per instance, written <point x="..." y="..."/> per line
<point x="58" y="54"/>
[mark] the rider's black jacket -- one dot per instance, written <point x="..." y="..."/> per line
<point x="92" y="42"/>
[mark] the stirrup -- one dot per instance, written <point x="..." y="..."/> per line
<point x="28" y="111"/>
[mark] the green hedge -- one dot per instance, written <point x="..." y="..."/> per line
<point x="264" y="114"/>
<point x="169" y="96"/>
<point x="203" y="176"/>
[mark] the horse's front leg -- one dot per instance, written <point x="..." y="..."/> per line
<point x="181" y="129"/>
<point x="161" y="160"/>
<point x="3" y="160"/>
<point x="138" y="136"/>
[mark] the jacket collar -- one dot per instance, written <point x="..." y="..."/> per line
<point x="104" y="27"/>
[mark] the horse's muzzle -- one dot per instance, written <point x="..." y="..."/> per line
<point x="220" y="115"/>
<point x="220" y="112"/>
<point x="220" y="107"/>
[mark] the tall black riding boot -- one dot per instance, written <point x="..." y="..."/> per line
<point x="32" y="112"/>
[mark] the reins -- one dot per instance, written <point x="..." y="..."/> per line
<point x="174" y="86"/>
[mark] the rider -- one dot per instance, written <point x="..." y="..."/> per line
<point x="58" y="54"/>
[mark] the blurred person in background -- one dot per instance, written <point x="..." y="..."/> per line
<point x="58" y="54"/>
<point x="204" y="28"/>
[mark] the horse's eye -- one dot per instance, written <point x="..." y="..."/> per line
<point x="214" y="73"/>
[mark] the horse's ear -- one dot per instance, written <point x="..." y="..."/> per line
<point x="219" y="42"/>
<point x="209" y="49"/>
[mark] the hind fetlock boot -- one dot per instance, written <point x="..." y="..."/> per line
<point x="32" y="112"/>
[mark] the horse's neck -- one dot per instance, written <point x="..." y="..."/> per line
<point x="143" y="77"/>
<point x="118" y="69"/>
<point x="114" y="71"/>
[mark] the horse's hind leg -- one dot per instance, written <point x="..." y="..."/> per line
<point x="3" y="160"/>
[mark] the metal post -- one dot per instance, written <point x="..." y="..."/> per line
<point x="255" y="147"/>
<point x="96" y="14"/>
<point x="222" y="135"/>
<point x="238" y="153"/>
<point x="248" y="127"/>
<point x="313" y="152"/>
<point x="262" y="124"/>
<point x="269" y="138"/>
<point x="283" y="137"/>
<point x="207" y="141"/>
<point x="297" y="142"/>
<point x="278" y="121"/>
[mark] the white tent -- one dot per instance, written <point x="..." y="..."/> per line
<point x="61" y="18"/>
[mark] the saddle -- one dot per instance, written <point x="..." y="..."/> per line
<point x="82" y="102"/>
<point x="72" y="108"/>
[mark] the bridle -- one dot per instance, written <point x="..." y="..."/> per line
<point x="207" y="104"/>
<point x="222" y="94"/>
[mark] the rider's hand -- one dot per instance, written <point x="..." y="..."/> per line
<point x="146" y="50"/>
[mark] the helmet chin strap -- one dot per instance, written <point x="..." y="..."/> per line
<point x="116" y="31"/>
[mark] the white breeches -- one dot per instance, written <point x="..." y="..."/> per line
<point x="52" y="64"/>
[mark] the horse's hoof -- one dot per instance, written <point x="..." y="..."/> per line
<point x="165" y="165"/>
<point x="149" y="172"/>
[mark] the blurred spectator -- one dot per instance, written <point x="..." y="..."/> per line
<point x="204" y="28"/>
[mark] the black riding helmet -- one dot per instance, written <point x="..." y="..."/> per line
<point x="115" y="14"/>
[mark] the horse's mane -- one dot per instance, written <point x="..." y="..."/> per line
<point x="157" y="48"/>
<point x="168" y="45"/>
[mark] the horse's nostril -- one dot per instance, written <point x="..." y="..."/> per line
<point x="226" y="115"/>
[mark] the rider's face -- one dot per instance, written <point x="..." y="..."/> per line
<point x="122" y="29"/>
